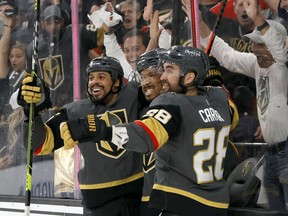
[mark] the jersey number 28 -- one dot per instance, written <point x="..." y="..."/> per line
<point x="216" y="146"/>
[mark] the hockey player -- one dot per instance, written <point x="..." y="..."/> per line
<point x="149" y="66"/>
<point x="112" y="178"/>
<point x="189" y="133"/>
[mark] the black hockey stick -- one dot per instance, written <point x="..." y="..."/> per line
<point x="32" y="112"/>
<point x="215" y="28"/>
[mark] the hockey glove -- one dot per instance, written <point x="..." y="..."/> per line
<point x="34" y="91"/>
<point x="66" y="136"/>
<point x="90" y="128"/>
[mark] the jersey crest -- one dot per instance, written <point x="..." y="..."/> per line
<point x="112" y="118"/>
<point x="264" y="94"/>
<point x="148" y="162"/>
<point x="52" y="71"/>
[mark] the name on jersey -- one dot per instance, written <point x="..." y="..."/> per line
<point x="210" y="115"/>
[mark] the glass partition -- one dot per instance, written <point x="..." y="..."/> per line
<point x="55" y="174"/>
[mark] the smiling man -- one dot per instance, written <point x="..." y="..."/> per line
<point x="107" y="188"/>
<point x="135" y="44"/>
<point x="149" y="65"/>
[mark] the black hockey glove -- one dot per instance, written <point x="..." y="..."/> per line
<point x="214" y="76"/>
<point x="89" y="128"/>
<point x="34" y="91"/>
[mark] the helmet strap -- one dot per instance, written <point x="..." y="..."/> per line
<point x="183" y="88"/>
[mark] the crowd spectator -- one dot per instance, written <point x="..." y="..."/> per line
<point x="132" y="18"/>
<point x="267" y="64"/>
<point x="54" y="61"/>
<point x="280" y="7"/>
<point x="135" y="43"/>
<point x="20" y="33"/>
<point x="231" y="31"/>
<point x="12" y="151"/>
<point x="12" y="61"/>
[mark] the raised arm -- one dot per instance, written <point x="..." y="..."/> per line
<point x="253" y="10"/>
<point x="113" y="49"/>
<point x="159" y="37"/>
<point x="154" y="32"/>
<point x="273" y="4"/>
<point x="5" y="44"/>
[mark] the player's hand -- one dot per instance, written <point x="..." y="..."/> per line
<point x="34" y="90"/>
<point x="66" y="136"/>
<point x="30" y="91"/>
<point x="119" y="136"/>
<point x="89" y="128"/>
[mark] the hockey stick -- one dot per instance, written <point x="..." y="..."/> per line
<point x="31" y="113"/>
<point x="215" y="28"/>
<point x="177" y="22"/>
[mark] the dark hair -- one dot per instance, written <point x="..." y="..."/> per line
<point x="137" y="32"/>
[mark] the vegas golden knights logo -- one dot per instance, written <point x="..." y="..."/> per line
<point x="148" y="162"/>
<point x="112" y="118"/>
<point x="246" y="168"/>
<point x="52" y="71"/>
<point x="263" y="97"/>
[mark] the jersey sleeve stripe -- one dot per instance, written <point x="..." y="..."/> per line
<point x="149" y="132"/>
<point x="155" y="130"/>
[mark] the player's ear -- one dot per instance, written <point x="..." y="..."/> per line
<point x="116" y="85"/>
<point x="189" y="78"/>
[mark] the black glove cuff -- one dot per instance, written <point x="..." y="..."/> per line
<point x="85" y="129"/>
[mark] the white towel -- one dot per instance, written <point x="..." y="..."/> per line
<point x="109" y="18"/>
